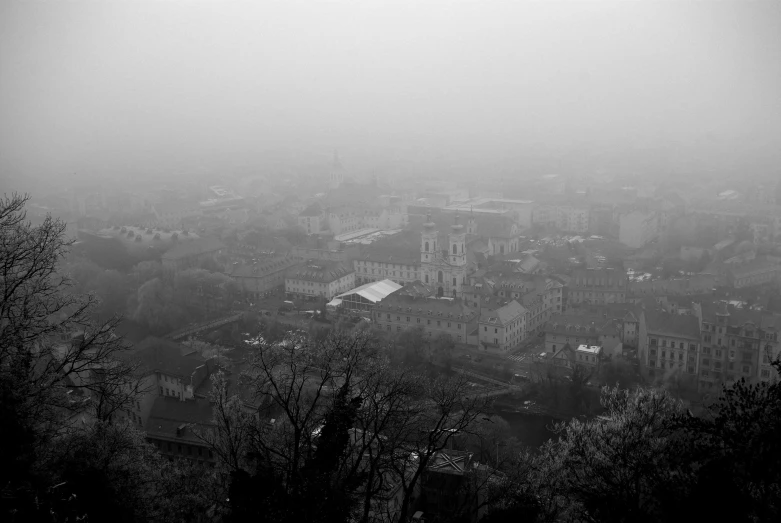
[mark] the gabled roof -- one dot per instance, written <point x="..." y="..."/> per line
<point x="170" y="418"/>
<point x="450" y="462"/>
<point x="195" y="247"/>
<point x="504" y="315"/>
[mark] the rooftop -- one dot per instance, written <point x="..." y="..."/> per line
<point x="673" y="325"/>
<point x="589" y="349"/>
<point x="160" y="355"/>
<point x="263" y="268"/>
<point x="446" y="308"/>
<point x="504" y="315"/>
<point x="578" y="324"/>
<point x="172" y="418"/>
<point x="319" y="271"/>
<point x="375" y="291"/>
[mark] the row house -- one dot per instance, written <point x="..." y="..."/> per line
<point x="435" y="315"/>
<point x="669" y="345"/>
<point x="597" y="286"/>
<point x="736" y="343"/>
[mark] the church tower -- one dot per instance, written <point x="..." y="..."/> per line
<point x="471" y="224"/>
<point x="428" y="241"/>
<point x="336" y="176"/>
<point x="457" y="239"/>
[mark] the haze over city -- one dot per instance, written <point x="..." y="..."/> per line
<point x="390" y="262"/>
<point x="129" y="88"/>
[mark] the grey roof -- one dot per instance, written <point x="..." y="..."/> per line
<point x="673" y="325"/>
<point x="503" y="315"/>
<point x="443" y="308"/>
<point x="264" y="267"/>
<point x="320" y="271"/>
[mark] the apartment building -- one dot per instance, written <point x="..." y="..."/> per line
<point x="540" y="297"/>
<point x="503" y="328"/>
<point x="319" y="279"/>
<point x="263" y="276"/>
<point x="435" y="315"/>
<point x="385" y="263"/>
<point x="171" y="374"/>
<point x="736" y="343"/>
<point x="597" y="286"/>
<point x="669" y="345"/>
<point x="566" y="217"/>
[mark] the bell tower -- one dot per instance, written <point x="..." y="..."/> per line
<point x="471" y="224"/>
<point x="457" y="239"/>
<point x="428" y="250"/>
<point x="428" y="241"/>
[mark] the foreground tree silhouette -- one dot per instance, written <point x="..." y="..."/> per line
<point x="734" y="453"/>
<point x="51" y="381"/>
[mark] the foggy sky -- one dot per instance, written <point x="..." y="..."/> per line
<point x="121" y="87"/>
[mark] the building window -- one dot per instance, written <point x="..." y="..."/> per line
<point x="746" y="369"/>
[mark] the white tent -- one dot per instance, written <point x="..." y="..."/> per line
<point x="374" y="292"/>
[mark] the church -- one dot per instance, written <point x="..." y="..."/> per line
<point x="444" y="268"/>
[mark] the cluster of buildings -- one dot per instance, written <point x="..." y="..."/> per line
<point x="678" y="331"/>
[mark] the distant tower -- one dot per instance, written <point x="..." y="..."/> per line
<point x="456" y="252"/>
<point x="471" y="224"/>
<point x="336" y="177"/>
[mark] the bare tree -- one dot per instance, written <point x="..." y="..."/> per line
<point x="444" y="410"/>
<point x="46" y="373"/>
